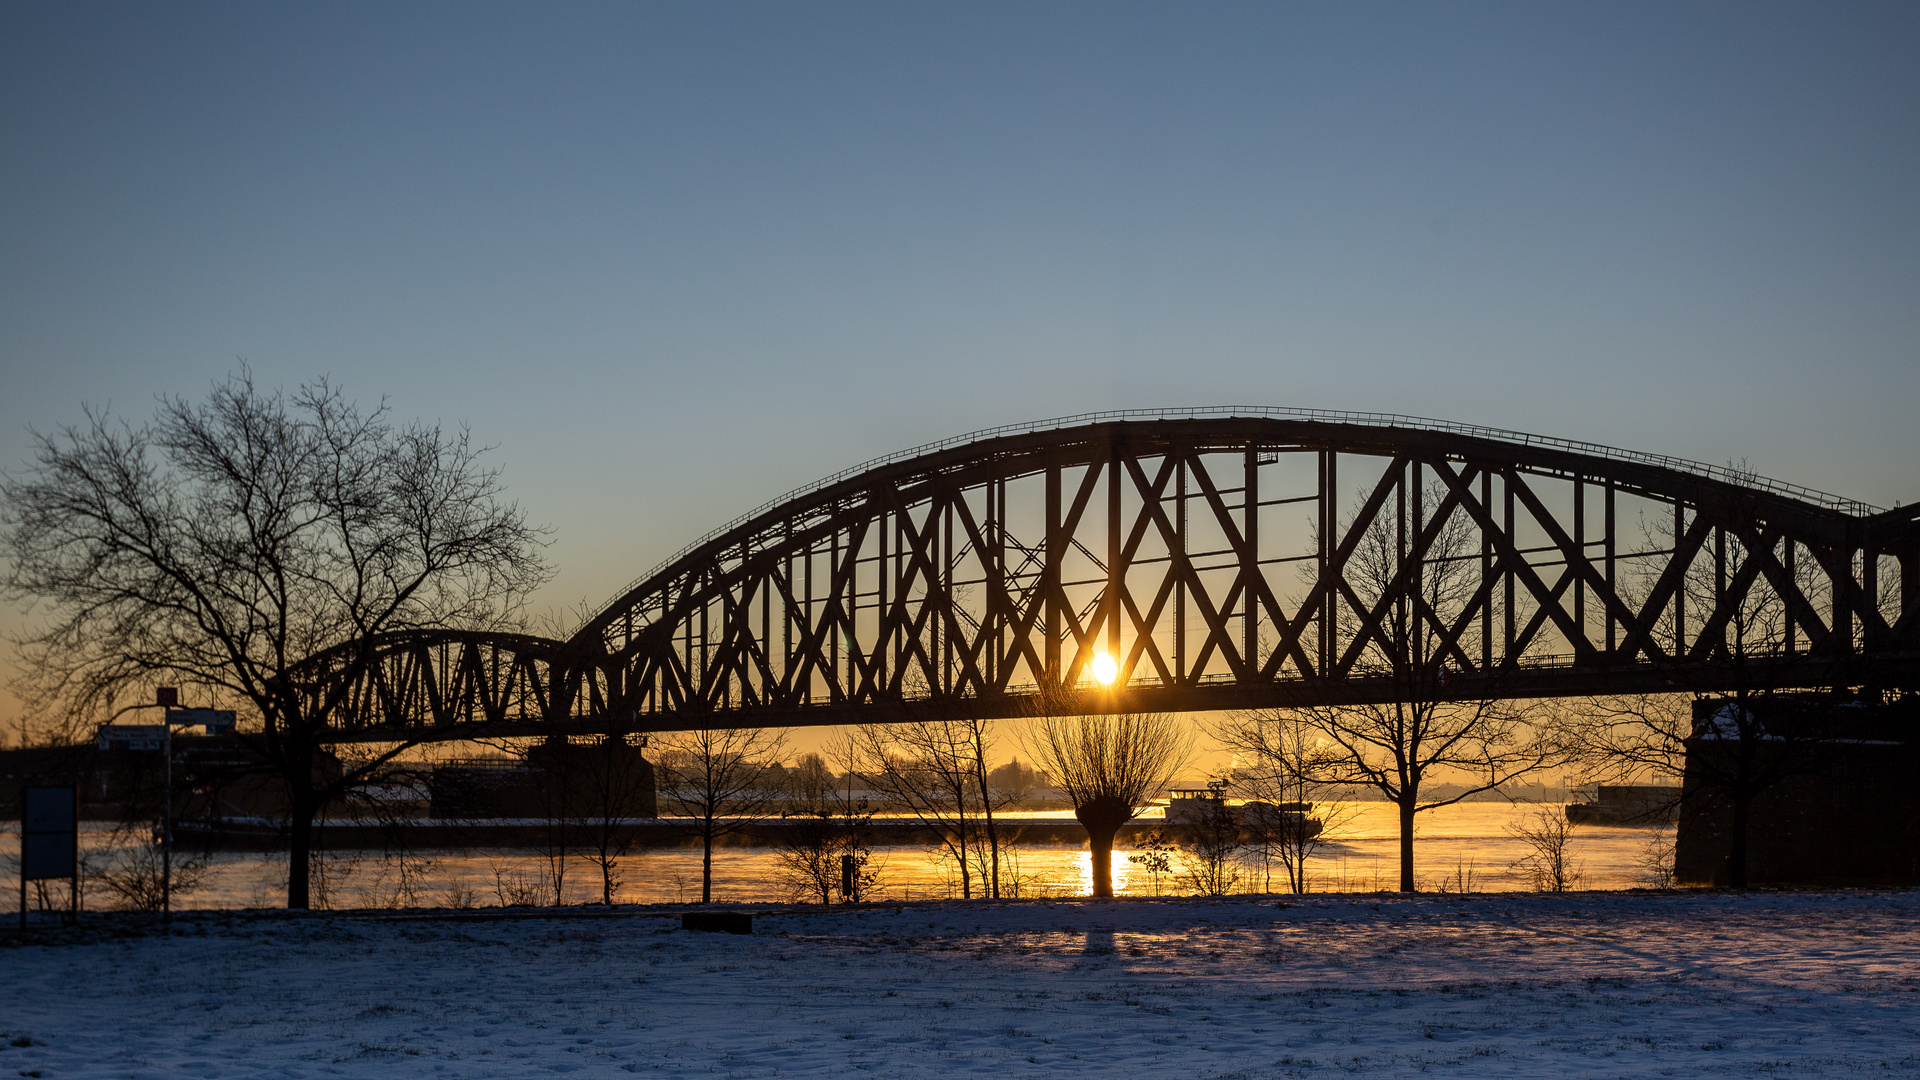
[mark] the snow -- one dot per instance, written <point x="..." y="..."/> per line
<point x="1589" y="984"/>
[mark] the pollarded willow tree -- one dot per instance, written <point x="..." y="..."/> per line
<point x="223" y="542"/>
<point x="1108" y="766"/>
<point x="1417" y="577"/>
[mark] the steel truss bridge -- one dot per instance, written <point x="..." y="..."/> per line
<point x="1222" y="558"/>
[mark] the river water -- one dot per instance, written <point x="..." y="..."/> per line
<point x="1465" y="847"/>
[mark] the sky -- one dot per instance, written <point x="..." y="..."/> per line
<point x="671" y="261"/>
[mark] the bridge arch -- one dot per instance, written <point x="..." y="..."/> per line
<point x="1211" y="554"/>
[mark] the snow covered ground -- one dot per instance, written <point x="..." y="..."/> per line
<point x="1593" y="984"/>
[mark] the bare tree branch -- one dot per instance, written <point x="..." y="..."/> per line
<point x="225" y="541"/>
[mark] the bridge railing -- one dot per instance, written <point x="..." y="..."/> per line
<point x="1720" y="473"/>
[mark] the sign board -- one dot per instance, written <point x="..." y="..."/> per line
<point x="217" y="721"/>
<point x="131" y="736"/>
<point x="49" y="840"/>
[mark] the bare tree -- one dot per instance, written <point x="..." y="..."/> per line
<point x="515" y="887"/>
<point x="936" y="770"/>
<point x="1108" y="766"/>
<point x="1423" y="729"/>
<point x="1211" y="842"/>
<point x="131" y="873"/>
<point x="222" y="543"/>
<point x="555" y="798"/>
<point x="719" y="777"/>
<point x="1654" y="862"/>
<point x="1548" y="837"/>
<point x="1728" y="749"/>
<point x="805" y="847"/>
<point x="1154" y="855"/>
<point x="614" y="784"/>
<point x="1283" y="765"/>
<point x="1740" y="734"/>
<point x="826" y="825"/>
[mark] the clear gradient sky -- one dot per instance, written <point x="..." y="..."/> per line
<point x="675" y="259"/>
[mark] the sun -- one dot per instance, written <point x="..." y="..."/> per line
<point x="1105" y="669"/>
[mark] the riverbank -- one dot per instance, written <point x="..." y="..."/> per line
<point x="644" y="833"/>
<point x="1462" y="848"/>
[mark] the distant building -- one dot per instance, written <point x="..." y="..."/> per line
<point x="119" y="776"/>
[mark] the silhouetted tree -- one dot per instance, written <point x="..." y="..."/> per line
<point x="1211" y="842"/>
<point x="224" y="542"/>
<point x="1548" y="837"/>
<point x="720" y="779"/>
<point x="611" y="784"/>
<point x="936" y="770"/>
<point x="1283" y="766"/>
<point x="1108" y="766"/>
<point x="1733" y="735"/>
<point x="1154" y="854"/>
<point x="1397" y="745"/>
<point x="826" y="824"/>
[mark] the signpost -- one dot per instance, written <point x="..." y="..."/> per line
<point x="159" y="736"/>
<point x="49" y="842"/>
<point x="217" y="722"/>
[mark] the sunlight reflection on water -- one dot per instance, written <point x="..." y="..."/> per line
<point x="1466" y="846"/>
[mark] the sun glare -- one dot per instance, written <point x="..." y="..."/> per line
<point x="1105" y="669"/>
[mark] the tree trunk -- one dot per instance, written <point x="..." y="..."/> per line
<point x="706" y="863"/>
<point x="1406" y="846"/>
<point x="299" y="855"/>
<point x="1103" y="817"/>
<point x="961" y="853"/>
<point x="303" y="805"/>
<point x="963" y="837"/>
<point x="1737" y="840"/>
<point x="993" y="847"/>
<point x="986" y="806"/>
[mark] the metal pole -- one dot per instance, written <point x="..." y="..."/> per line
<point x="1180" y="568"/>
<point x="73" y="883"/>
<point x="1250" y="560"/>
<point x="166" y="824"/>
<point x="1115" y="582"/>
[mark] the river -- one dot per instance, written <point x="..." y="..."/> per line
<point x="1465" y="847"/>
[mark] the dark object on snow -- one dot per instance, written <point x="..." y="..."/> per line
<point x="717" y="922"/>
<point x="49" y="843"/>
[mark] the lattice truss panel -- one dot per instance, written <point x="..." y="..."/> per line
<point x="1196" y="560"/>
<point x="1216" y="562"/>
<point x="453" y="681"/>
